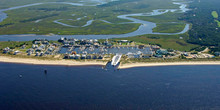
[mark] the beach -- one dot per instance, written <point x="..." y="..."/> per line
<point x="64" y="62"/>
<point x="131" y="65"/>
<point x="49" y="62"/>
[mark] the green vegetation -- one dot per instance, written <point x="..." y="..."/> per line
<point x="169" y="27"/>
<point x="204" y="29"/>
<point x="7" y="4"/>
<point x="149" y="60"/>
<point x="46" y="25"/>
<point x="166" y="23"/>
<point x="113" y="3"/>
<point x="164" y="18"/>
<point x="218" y="22"/>
<point x="39" y="19"/>
<point x="15" y="44"/>
<point x="215" y="14"/>
<point x="177" y="42"/>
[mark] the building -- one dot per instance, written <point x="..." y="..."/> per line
<point x="6" y="50"/>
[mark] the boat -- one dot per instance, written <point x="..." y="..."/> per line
<point x="116" y="59"/>
<point x="45" y="71"/>
<point x="20" y="76"/>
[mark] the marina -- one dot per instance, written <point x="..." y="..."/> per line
<point x="103" y="51"/>
<point x="93" y="49"/>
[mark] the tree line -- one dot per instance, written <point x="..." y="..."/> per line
<point x="205" y="30"/>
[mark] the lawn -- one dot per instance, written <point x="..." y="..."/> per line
<point x="215" y="14"/>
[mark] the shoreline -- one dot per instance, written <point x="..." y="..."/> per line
<point x="180" y="63"/>
<point x="63" y="62"/>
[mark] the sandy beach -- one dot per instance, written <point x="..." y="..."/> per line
<point x="48" y="62"/>
<point x="131" y="65"/>
<point x="85" y="63"/>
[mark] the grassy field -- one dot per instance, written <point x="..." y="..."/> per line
<point x="169" y="27"/>
<point x="14" y="44"/>
<point x="177" y="42"/>
<point x="31" y="14"/>
<point x="39" y="19"/>
<point x="215" y="15"/>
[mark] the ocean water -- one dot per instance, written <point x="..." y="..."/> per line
<point x="93" y="88"/>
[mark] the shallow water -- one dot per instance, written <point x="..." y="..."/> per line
<point x="92" y="88"/>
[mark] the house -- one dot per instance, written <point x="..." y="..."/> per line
<point x="41" y="41"/>
<point x="6" y="50"/>
<point x="37" y="54"/>
<point x="130" y="55"/>
<point x="62" y="39"/>
<point x="16" y="52"/>
<point x="155" y="47"/>
<point x="95" y="40"/>
<point x="50" y="49"/>
<point x="71" y="57"/>
<point x="141" y="46"/>
<point x="45" y="42"/>
<point x="161" y="52"/>
<point x="159" y="56"/>
<point x="217" y="53"/>
<point x="55" y="44"/>
<point x="77" y="56"/>
<point x="137" y="56"/>
<point x="34" y="46"/>
<point x="89" y="57"/>
<point x="30" y="51"/>
<point x="41" y="53"/>
<point x="39" y="49"/>
<point x="94" y="57"/>
<point x="23" y="46"/>
<point x="185" y="54"/>
<point x="83" y="56"/>
<point x="100" y="57"/>
<point x="66" y="56"/>
<point x="146" y="55"/>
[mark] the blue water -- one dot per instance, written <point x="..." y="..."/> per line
<point x="92" y="88"/>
